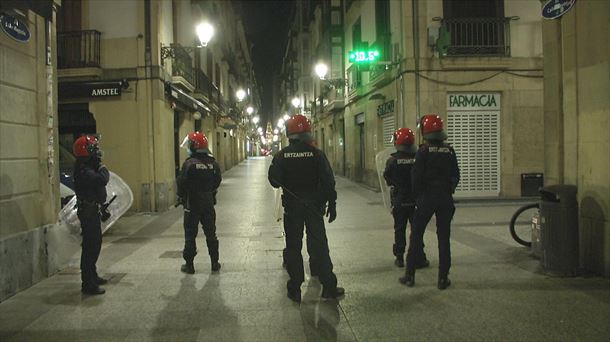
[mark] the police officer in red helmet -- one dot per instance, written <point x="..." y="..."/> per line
<point x="397" y="175"/>
<point x="435" y="177"/>
<point x="197" y="184"/>
<point x="308" y="184"/>
<point x="90" y="179"/>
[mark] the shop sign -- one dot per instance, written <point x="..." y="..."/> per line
<point x="473" y="101"/>
<point x="14" y="28"/>
<point x="359" y="118"/>
<point x="385" y="108"/>
<point x="90" y="89"/>
<point x="554" y="9"/>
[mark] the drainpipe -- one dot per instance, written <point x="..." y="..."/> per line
<point x="400" y="80"/>
<point x="415" y="10"/>
<point x="150" y="106"/>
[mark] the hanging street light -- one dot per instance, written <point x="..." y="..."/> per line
<point x="240" y="94"/>
<point x="321" y="70"/>
<point x="205" y="32"/>
<point x="286" y="117"/>
<point x="250" y="110"/>
<point x="296" y="102"/>
<point x="254" y="119"/>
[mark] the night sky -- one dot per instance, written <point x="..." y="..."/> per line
<point x="266" y="25"/>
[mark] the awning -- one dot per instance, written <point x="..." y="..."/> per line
<point x="186" y="99"/>
<point x="70" y="90"/>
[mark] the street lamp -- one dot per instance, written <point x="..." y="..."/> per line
<point x="255" y="120"/>
<point x="321" y="70"/>
<point x="280" y="123"/>
<point x="250" y="110"/>
<point x="240" y="94"/>
<point x="286" y="117"/>
<point x="296" y="102"/>
<point x="205" y="32"/>
<point x="259" y="130"/>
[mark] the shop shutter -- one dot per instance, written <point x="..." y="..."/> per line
<point x="389" y="126"/>
<point x="475" y="136"/>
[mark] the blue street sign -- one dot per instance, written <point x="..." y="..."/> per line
<point x="554" y="9"/>
<point x="14" y="27"/>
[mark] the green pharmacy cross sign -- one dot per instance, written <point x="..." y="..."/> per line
<point x="365" y="56"/>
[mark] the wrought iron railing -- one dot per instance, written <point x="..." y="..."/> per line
<point x="478" y="36"/>
<point x="80" y="49"/>
<point x="202" y="83"/>
<point x="182" y="64"/>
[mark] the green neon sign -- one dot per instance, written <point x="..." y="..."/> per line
<point x="365" y="56"/>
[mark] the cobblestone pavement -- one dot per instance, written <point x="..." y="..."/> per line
<point x="498" y="293"/>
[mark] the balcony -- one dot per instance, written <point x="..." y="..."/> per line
<point x="80" y="49"/>
<point x="468" y="37"/>
<point x="202" y="86"/>
<point x="78" y="54"/>
<point x="182" y="68"/>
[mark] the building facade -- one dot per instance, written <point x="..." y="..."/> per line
<point x="159" y="87"/>
<point x="29" y="178"/>
<point x="477" y="64"/>
<point x="577" y="120"/>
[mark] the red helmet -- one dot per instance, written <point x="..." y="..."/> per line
<point x="404" y="136"/>
<point x="85" y="146"/>
<point x="431" y="123"/>
<point x="297" y="124"/>
<point x="198" y="142"/>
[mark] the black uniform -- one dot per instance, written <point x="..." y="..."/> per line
<point x="308" y="182"/>
<point x="397" y="174"/>
<point x="435" y="177"/>
<point x="90" y="179"/>
<point x="197" y="185"/>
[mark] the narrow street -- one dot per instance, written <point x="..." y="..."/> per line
<point x="498" y="290"/>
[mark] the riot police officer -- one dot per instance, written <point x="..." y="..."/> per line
<point x="198" y="183"/>
<point x="435" y="177"/>
<point x="90" y="179"/>
<point x="308" y="184"/>
<point x="397" y="175"/>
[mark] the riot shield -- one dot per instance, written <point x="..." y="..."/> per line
<point x="124" y="200"/>
<point x="279" y="209"/>
<point x="380" y="160"/>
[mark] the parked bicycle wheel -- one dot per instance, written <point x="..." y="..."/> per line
<point x="521" y="224"/>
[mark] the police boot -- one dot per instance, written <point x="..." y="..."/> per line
<point x="213" y="251"/>
<point x="188" y="268"/>
<point x="335" y="293"/>
<point x="443" y="282"/>
<point x="294" y="294"/>
<point x="400" y="261"/>
<point x="92" y="290"/>
<point x="408" y="279"/>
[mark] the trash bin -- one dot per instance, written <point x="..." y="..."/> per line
<point x="531" y="184"/>
<point x="559" y="230"/>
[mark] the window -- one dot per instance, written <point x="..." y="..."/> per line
<point x="476" y="27"/>
<point x="335" y="18"/>
<point x="356" y="35"/>
<point x="382" y="32"/>
<point x="354" y="78"/>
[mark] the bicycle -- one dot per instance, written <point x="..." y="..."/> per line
<point x="519" y="229"/>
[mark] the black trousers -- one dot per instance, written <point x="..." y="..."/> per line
<point x="311" y="216"/>
<point x="432" y="203"/>
<point x="91" y="246"/>
<point x="403" y="215"/>
<point x="207" y="218"/>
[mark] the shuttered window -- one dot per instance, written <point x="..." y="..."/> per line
<point x="389" y="127"/>
<point x="475" y="136"/>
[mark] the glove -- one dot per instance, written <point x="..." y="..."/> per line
<point x="179" y="202"/>
<point x="331" y="211"/>
<point x="104" y="214"/>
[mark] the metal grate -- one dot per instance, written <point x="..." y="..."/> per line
<point x="475" y="136"/>
<point x="389" y="126"/>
